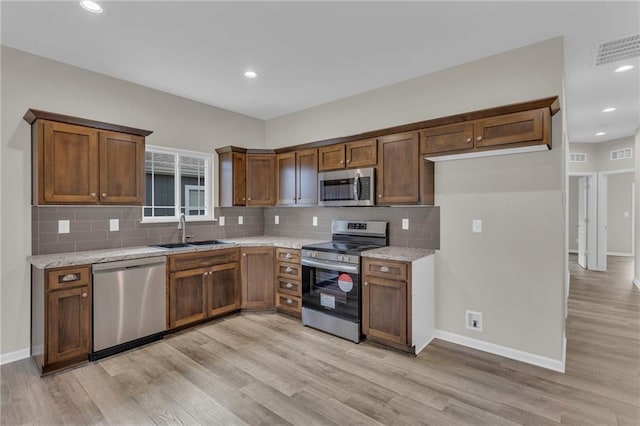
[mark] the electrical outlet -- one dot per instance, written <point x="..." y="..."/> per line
<point x="114" y="225"/>
<point x="476" y="226"/>
<point x="240" y="220"/>
<point x="277" y="220"/>
<point x="405" y="224"/>
<point x="315" y="221"/>
<point x="626" y="215"/>
<point x="63" y="227"/>
<point x="221" y="221"/>
<point x="473" y="320"/>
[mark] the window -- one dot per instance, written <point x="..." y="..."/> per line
<point x="177" y="182"/>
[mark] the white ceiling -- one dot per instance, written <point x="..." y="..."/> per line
<point x="309" y="53"/>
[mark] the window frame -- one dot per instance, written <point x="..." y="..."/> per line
<point x="208" y="184"/>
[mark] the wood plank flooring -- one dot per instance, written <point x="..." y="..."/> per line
<point x="267" y="369"/>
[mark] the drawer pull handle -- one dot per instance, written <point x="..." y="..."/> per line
<point x="288" y="269"/>
<point x="384" y="269"/>
<point x="289" y="285"/>
<point x="84" y="294"/>
<point x="289" y="301"/>
<point x="288" y="256"/>
<point x="70" y="277"/>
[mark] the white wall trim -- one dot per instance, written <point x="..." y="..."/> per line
<point x="14" y="356"/>
<point x="526" y="357"/>
<point x="636" y="281"/>
<point x="615" y="253"/>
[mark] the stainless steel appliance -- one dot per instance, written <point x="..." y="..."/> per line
<point x="331" y="288"/>
<point x="347" y="187"/>
<point x="129" y="304"/>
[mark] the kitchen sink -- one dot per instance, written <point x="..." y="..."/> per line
<point x="172" y="245"/>
<point x="205" y="243"/>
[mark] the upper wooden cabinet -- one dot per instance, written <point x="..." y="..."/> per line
<point x="246" y="178"/>
<point x="297" y="177"/>
<point x="398" y="169"/>
<point x="514" y="130"/>
<point x="261" y="179"/>
<point x="348" y="155"/>
<point x="78" y="161"/>
<point x="232" y="178"/>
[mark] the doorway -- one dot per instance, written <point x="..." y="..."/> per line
<point x="583" y="231"/>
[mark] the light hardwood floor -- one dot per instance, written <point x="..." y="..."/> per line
<point x="268" y="369"/>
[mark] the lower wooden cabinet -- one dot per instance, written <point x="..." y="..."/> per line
<point x="257" y="277"/>
<point x="384" y="310"/>
<point x="60" y="317"/>
<point x="206" y="291"/>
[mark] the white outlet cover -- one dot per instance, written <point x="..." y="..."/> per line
<point x="221" y="221"/>
<point x="470" y="317"/>
<point x="240" y="220"/>
<point x="405" y="224"/>
<point x="63" y="227"/>
<point x="476" y="226"/>
<point x="277" y="220"/>
<point x="626" y="214"/>
<point x="114" y="225"/>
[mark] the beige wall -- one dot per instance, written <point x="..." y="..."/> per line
<point x="598" y="156"/>
<point x="30" y="81"/>
<point x="591" y="149"/>
<point x="512" y="272"/>
<point x="619" y="226"/>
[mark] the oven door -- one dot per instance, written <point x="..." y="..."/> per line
<point x="331" y="289"/>
<point x="346" y="188"/>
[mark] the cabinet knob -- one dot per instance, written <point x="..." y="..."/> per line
<point x="243" y="199"/>
<point x="289" y="285"/>
<point x="348" y="161"/>
<point x="94" y="195"/>
<point x="249" y="199"/>
<point x="479" y="138"/>
<point x="104" y="195"/>
<point x="288" y="256"/>
<point x="289" y="301"/>
<point x="366" y="283"/>
<point x="84" y="294"/>
<point x="379" y="195"/>
<point x="288" y="269"/>
<point x="384" y="269"/>
<point x="244" y="254"/>
<point x="468" y="139"/>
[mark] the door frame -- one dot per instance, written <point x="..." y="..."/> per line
<point x="592" y="215"/>
<point x="603" y="185"/>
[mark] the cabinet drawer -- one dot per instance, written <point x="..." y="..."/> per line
<point x="68" y="277"/>
<point x="385" y="269"/>
<point x="288" y="303"/>
<point x="288" y="255"/>
<point x="180" y="262"/>
<point x="289" y="270"/>
<point x="291" y="287"/>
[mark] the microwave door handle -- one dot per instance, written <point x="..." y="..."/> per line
<point x="356" y="188"/>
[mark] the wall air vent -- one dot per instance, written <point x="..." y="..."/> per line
<point x="620" y="154"/>
<point x="578" y="157"/>
<point x="618" y="50"/>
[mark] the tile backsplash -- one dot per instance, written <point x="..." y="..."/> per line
<point x="89" y="226"/>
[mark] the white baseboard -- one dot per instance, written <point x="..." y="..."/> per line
<point x="615" y="253"/>
<point x="636" y="281"/>
<point x="529" y="358"/>
<point x="14" y="356"/>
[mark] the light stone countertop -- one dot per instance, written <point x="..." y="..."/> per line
<point x="402" y="254"/>
<point x="56" y="260"/>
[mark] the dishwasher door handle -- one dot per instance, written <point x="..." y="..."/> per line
<point x="128" y="264"/>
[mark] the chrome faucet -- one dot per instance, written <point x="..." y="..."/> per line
<point x="182" y="225"/>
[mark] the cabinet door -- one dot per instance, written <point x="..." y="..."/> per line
<point x="331" y="157"/>
<point x="510" y="128"/>
<point x="261" y="179"/>
<point x="121" y="168"/>
<point x="361" y="153"/>
<point x="223" y="289"/>
<point x="186" y="297"/>
<point x="453" y="137"/>
<point x="257" y="277"/>
<point x="68" y="324"/>
<point x="69" y="165"/>
<point x="307" y="176"/>
<point x="384" y="309"/>
<point x="286" y="178"/>
<point x="239" y="179"/>
<point x="232" y="179"/>
<point x="398" y="169"/>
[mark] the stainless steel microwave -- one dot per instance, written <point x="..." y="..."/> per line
<point x="353" y="187"/>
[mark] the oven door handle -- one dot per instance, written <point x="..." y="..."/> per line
<point x="330" y="266"/>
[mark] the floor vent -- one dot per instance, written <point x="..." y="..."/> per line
<point x="618" y="50"/>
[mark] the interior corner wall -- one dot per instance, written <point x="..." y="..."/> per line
<point x="637" y="209"/>
<point x="573" y="213"/>
<point x="30" y="81"/>
<point x="513" y="272"/>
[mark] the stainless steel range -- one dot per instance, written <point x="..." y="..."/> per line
<point x="331" y="288"/>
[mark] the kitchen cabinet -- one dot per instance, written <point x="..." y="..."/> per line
<point x="297" y="177"/>
<point x="87" y="163"/>
<point x="261" y="179"/>
<point x="452" y="137"/>
<point x="60" y="317"/>
<point x="202" y="285"/>
<point x="232" y="177"/>
<point x="288" y="281"/>
<point x="397" y="306"/>
<point x="362" y="153"/>
<point x="398" y="177"/>
<point x="257" y="276"/>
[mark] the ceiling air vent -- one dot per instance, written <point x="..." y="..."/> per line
<point x="578" y="157"/>
<point x="618" y="50"/>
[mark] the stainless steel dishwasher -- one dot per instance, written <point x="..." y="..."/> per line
<point x="129" y="304"/>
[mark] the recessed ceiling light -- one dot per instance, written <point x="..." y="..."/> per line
<point x="250" y="74"/>
<point x="609" y="109"/>
<point x="91" y="6"/>
<point x="624" y="68"/>
<point x="601" y="133"/>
